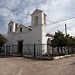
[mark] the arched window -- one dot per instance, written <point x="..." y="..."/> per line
<point x="20" y="29"/>
<point x="36" y="20"/>
<point x="10" y="28"/>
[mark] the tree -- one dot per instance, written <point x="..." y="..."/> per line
<point x="59" y="40"/>
<point x="70" y="41"/>
<point x="2" y="40"/>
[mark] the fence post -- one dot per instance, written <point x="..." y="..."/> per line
<point x="34" y="51"/>
<point x="64" y="50"/>
<point x="5" y="49"/>
<point x="68" y="50"/>
<point x="11" y="50"/>
<point x="74" y="49"/>
<point x="52" y="51"/>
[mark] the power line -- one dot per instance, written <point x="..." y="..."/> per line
<point x="60" y="21"/>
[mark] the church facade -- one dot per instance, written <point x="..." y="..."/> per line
<point x="35" y="34"/>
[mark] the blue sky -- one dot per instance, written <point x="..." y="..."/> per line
<point x="56" y="10"/>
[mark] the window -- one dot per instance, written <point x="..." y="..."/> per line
<point x="36" y="20"/>
<point x="16" y="26"/>
<point x="44" y="19"/>
<point x="20" y="29"/>
<point x="10" y="28"/>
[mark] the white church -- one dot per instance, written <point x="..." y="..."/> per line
<point x="35" y="34"/>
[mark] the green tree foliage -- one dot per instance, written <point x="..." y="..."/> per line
<point x="2" y="40"/>
<point x="61" y="40"/>
<point x="70" y="41"/>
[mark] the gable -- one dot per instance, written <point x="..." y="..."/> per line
<point x="22" y="28"/>
<point x="11" y="22"/>
<point x="36" y="10"/>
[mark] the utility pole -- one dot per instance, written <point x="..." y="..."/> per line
<point x="65" y="29"/>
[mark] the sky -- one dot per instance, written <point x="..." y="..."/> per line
<point x="58" y="13"/>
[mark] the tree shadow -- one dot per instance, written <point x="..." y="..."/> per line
<point x="32" y="58"/>
<point x="72" y="63"/>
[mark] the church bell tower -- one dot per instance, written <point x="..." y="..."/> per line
<point x="38" y="18"/>
<point x="12" y="26"/>
<point x="38" y="24"/>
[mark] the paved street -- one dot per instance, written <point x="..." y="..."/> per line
<point x="25" y="66"/>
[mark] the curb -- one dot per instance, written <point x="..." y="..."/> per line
<point x="65" y="56"/>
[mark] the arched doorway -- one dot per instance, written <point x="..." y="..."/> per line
<point x="48" y="45"/>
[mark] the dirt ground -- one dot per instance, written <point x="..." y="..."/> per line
<point x="25" y="66"/>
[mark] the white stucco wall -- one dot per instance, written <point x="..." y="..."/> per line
<point x="29" y="37"/>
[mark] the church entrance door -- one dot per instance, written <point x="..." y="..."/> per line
<point x="20" y="46"/>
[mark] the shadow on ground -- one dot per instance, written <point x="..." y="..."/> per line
<point x="32" y="58"/>
<point x="73" y="63"/>
<point x="8" y="56"/>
